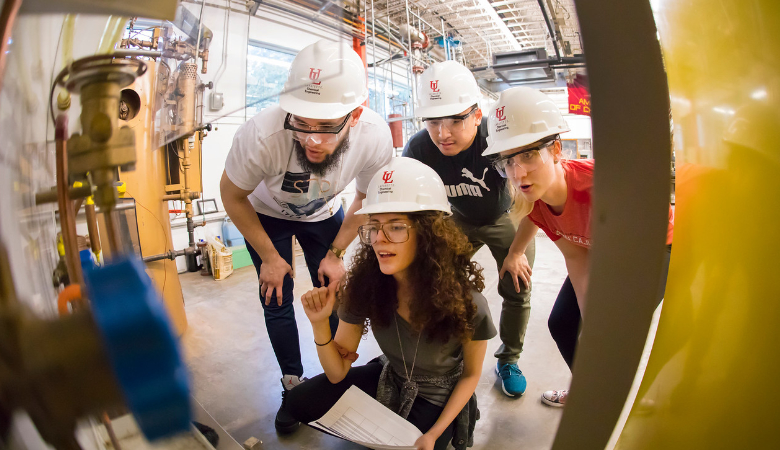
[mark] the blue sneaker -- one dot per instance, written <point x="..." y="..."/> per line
<point x="512" y="379"/>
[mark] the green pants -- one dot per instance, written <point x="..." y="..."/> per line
<point x="516" y="307"/>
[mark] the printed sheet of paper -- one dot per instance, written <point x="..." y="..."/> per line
<point x="359" y="418"/>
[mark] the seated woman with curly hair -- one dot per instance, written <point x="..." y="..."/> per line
<point x="413" y="283"/>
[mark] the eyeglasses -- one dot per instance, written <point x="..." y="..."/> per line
<point x="395" y="232"/>
<point x="451" y="123"/>
<point x="317" y="134"/>
<point x="530" y="159"/>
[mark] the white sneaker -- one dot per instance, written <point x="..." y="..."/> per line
<point x="290" y="381"/>
<point x="555" y="398"/>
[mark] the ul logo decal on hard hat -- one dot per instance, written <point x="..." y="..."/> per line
<point x="435" y="85"/>
<point x="500" y="113"/>
<point x="314" y="74"/>
<point x="387" y="177"/>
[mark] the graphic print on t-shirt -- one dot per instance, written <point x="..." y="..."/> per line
<point x="303" y="194"/>
<point x="473" y="190"/>
<point x="467" y="173"/>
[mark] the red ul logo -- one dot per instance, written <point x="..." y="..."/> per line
<point x="500" y="113"/>
<point x="314" y="74"/>
<point x="387" y="177"/>
<point x="435" y="85"/>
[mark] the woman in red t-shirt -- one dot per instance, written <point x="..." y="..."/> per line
<point x="550" y="193"/>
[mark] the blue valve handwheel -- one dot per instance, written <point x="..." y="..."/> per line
<point x="141" y="346"/>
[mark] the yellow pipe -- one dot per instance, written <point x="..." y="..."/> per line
<point x="115" y="26"/>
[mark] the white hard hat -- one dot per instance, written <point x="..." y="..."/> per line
<point x="522" y="116"/>
<point x="446" y="89"/>
<point x="405" y="185"/>
<point x="327" y="80"/>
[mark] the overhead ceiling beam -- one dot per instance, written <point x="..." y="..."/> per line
<point x="499" y="23"/>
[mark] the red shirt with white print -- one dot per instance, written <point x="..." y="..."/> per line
<point x="573" y="224"/>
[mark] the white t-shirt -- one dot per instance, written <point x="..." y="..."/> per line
<point x="262" y="159"/>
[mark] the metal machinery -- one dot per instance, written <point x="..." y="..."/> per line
<point x="168" y="164"/>
<point x="113" y="348"/>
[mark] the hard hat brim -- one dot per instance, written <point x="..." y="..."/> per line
<point x="441" y="110"/>
<point x="321" y="111"/>
<point x="403" y="207"/>
<point x="519" y="141"/>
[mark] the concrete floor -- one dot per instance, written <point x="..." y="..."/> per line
<point x="236" y="377"/>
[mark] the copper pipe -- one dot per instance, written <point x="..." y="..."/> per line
<point x="114" y="243"/>
<point x="7" y="19"/>
<point x="92" y="227"/>
<point x="110" y="430"/>
<point x="67" y="218"/>
<point x="77" y="205"/>
<point x="51" y="195"/>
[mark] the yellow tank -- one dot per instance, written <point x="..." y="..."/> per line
<point x="146" y="184"/>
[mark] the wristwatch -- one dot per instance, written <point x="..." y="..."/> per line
<point x="337" y="251"/>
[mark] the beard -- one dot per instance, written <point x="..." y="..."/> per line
<point x="328" y="163"/>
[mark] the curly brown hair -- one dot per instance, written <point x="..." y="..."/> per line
<point x="442" y="277"/>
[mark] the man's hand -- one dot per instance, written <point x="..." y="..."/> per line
<point x="318" y="303"/>
<point x="332" y="267"/>
<point x="518" y="267"/>
<point x="272" y="273"/>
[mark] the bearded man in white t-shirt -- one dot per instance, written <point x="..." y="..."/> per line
<point x="282" y="177"/>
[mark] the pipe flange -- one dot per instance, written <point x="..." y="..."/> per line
<point x="100" y="68"/>
<point x="141" y="346"/>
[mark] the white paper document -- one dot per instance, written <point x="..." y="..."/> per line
<point x="359" y="418"/>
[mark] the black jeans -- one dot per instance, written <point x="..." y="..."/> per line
<point x="311" y="399"/>
<point x="565" y="318"/>
<point x="315" y="239"/>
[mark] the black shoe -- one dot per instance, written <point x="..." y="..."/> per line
<point x="285" y="422"/>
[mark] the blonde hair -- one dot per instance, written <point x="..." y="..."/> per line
<point x="520" y="206"/>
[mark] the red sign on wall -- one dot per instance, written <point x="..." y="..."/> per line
<point x="579" y="96"/>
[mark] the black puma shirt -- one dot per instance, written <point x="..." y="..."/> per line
<point x="478" y="194"/>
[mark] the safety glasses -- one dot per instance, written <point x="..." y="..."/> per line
<point x="395" y="232"/>
<point x="314" y="134"/>
<point x="294" y="124"/>
<point x="530" y="159"/>
<point x="452" y="123"/>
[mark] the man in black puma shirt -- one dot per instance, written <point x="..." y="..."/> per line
<point x="452" y="143"/>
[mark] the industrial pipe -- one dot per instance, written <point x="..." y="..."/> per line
<point x="92" y="228"/>
<point x="170" y="254"/>
<point x="550" y="29"/>
<point x="123" y="52"/>
<point x="67" y="219"/>
<point x="73" y="192"/>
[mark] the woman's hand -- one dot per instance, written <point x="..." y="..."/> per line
<point x="425" y="442"/>
<point x="318" y="302"/>
<point x="346" y="354"/>
<point x="517" y="266"/>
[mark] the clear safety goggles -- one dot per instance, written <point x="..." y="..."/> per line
<point x="314" y="134"/>
<point x="395" y="232"/>
<point x="451" y="123"/>
<point x="529" y="159"/>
